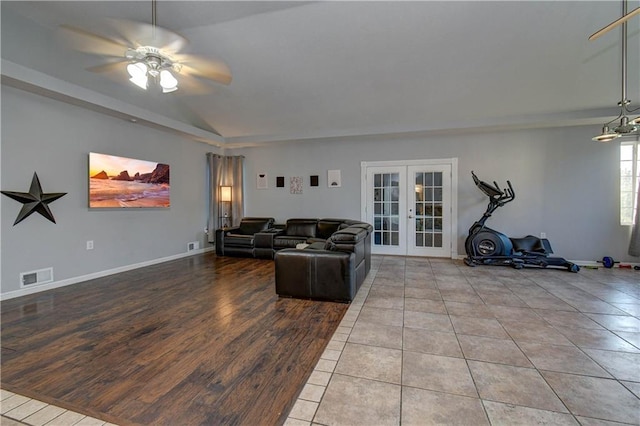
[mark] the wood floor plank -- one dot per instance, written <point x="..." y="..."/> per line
<point x="200" y="340"/>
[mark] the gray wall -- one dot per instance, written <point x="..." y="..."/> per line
<point x="566" y="184"/>
<point x="54" y="139"/>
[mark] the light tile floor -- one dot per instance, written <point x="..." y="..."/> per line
<point x="433" y="342"/>
<point x="19" y="410"/>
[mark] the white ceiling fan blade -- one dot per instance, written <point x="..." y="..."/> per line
<point x="143" y="34"/>
<point x="88" y="42"/>
<point x="188" y="85"/>
<point x="205" y="68"/>
<point x="114" y="71"/>
<point x="110" y="67"/>
<point x="615" y="23"/>
<point x="191" y="115"/>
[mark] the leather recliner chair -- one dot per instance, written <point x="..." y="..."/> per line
<point x="239" y="241"/>
<point x="330" y="271"/>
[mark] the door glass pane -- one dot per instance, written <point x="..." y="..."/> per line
<point x="428" y="210"/>
<point x="437" y="194"/>
<point x="386" y="212"/>
<point x="428" y="239"/>
<point x="428" y="229"/>
<point x="395" y="238"/>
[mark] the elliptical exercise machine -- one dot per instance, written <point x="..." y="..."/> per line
<point x="486" y="246"/>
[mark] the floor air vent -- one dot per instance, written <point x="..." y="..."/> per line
<point x="41" y="276"/>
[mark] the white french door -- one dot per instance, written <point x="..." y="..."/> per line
<point x="411" y="206"/>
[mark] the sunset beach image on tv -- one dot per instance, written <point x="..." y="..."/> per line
<point x="117" y="182"/>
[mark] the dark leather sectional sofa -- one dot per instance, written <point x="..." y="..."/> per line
<point x="334" y="262"/>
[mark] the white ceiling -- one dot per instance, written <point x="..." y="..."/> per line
<point x="336" y="69"/>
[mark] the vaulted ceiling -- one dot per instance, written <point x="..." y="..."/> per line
<point x="338" y="69"/>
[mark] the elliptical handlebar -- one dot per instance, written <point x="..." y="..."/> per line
<point x="510" y="194"/>
<point x="497" y="196"/>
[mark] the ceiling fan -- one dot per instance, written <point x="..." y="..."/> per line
<point x="148" y="53"/>
<point x="628" y="126"/>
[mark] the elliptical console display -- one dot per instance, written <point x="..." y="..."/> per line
<point x="486" y="246"/>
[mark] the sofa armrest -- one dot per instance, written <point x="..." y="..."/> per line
<point x="263" y="243"/>
<point x="316" y="274"/>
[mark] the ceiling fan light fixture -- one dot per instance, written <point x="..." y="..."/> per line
<point x="606" y="136"/>
<point x="141" y="82"/>
<point x="168" y="82"/>
<point x="625" y="127"/>
<point x="137" y="69"/>
<point x="138" y="73"/>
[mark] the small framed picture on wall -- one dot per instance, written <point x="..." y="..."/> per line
<point x="295" y="185"/>
<point x="334" y="179"/>
<point x="261" y="181"/>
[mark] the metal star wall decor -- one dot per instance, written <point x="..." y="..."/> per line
<point x="34" y="200"/>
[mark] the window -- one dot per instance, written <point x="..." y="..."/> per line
<point x="629" y="181"/>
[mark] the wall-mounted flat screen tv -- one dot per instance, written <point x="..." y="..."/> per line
<point x="120" y="182"/>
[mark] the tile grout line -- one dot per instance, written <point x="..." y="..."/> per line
<point x="366" y="285"/>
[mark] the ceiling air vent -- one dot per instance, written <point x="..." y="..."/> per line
<point x="41" y="276"/>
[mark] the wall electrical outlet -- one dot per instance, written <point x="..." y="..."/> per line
<point x="90" y="245"/>
<point x="543" y="235"/>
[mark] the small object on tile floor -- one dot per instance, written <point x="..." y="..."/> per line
<point x="624" y="266"/>
<point x="589" y="267"/>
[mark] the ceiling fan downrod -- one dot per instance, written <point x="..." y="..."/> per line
<point x="153" y="13"/>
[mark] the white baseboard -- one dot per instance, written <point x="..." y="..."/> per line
<point x="62" y="283"/>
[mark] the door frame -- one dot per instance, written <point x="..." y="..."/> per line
<point x="452" y="162"/>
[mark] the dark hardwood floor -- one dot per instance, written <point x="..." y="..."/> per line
<point x="196" y="341"/>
